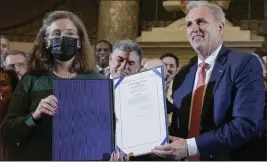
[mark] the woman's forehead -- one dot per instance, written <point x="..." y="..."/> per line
<point x="4" y="77"/>
<point x="62" y="25"/>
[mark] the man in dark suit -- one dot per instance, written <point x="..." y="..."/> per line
<point x="125" y="59"/>
<point x="102" y="51"/>
<point x="219" y="95"/>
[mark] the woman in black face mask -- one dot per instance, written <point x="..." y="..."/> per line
<point x="61" y="50"/>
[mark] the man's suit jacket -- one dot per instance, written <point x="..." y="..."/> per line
<point x="232" y="114"/>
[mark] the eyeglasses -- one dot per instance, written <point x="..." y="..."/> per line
<point x="13" y="66"/>
<point x="57" y="34"/>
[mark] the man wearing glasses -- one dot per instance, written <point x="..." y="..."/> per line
<point x="16" y="60"/>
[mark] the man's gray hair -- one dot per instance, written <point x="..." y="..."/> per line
<point x="129" y="46"/>
<point x="16" y="52"/>
<point x="216" y="11"/>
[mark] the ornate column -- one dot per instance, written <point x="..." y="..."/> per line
<point x="118" y="20"/>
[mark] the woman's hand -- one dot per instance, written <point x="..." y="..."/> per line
<point x="46" y="106"/>
<point x="119" y="156"/>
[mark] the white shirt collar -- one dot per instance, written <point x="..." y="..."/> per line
<point x="99" y="68"/>
<point x="211" y="58"/>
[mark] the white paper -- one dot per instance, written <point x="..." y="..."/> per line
<point x="140" y="112"/>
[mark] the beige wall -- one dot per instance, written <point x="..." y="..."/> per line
<point x="22" y="46"/>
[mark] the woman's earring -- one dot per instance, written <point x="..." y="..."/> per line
<point x="78" y="43"/>
<point x="47" y="44"/>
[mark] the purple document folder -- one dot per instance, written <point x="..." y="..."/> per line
<point x="83" y="125"/>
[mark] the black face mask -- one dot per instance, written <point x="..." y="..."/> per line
<point x="64" y="48"/>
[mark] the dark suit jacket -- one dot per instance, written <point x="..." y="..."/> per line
<point x="232" y="114"/>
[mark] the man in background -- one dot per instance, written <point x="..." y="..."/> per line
<point x="125" y="59"/>
<point x="102" y="52"/>
<point x="4" y="46"/>
<point x="172" y="64"/>
<point x="16" y="60"/>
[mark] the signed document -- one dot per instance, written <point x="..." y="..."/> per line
<point x="141" y="120"/>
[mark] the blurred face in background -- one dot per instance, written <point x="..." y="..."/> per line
<point x="17" y="63"/>
<point x="171" y="67"/>
<point x="3" y="46"/>
<point x="102" y="52"/>
<point x="3" y="50"/>
<point x="123" y="63"/>
<point x="5" y="88"/>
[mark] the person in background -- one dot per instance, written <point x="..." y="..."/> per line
<point x="219" y="95"/>
<point x="171" y="62"/>
<point x="61" y="51"/>
<point x="102" y="51"/>
<point x="8" y="82"/>
<point x="125" y="59"/>
<point x="4" y="46"/>
<point x="16" y="60"/>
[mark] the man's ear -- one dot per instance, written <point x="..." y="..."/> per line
<point x="221" y="26"/>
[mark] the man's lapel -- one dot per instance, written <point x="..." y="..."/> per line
<point x="215" y="78"/>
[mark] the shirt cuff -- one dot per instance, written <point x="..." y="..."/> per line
<point x="192" y="147"/>
<point x="30" y="121"/>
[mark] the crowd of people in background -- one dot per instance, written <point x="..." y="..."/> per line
<point x="51" y="59"/>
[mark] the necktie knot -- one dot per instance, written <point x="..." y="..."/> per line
<point x="203" y="65"/>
